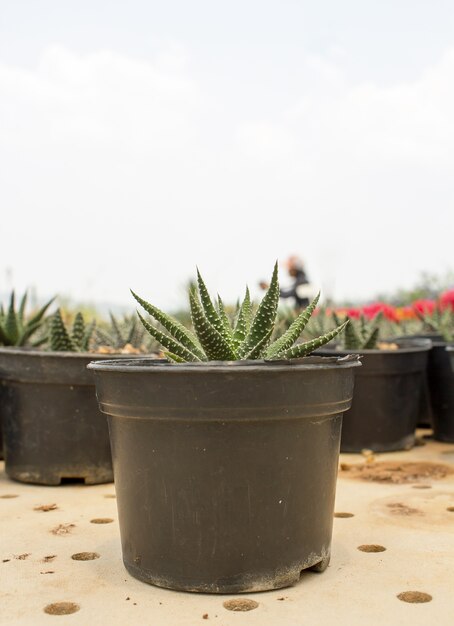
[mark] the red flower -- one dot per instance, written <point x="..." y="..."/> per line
<point x="389" y="312"/>
<point x="424" y="307"/>
<point x="447" y="300"/>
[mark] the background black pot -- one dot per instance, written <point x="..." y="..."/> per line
<point x="53" y="429"/>
<point x="441" y="388"/>
<point x="386" y="402"/>
<point x="225" y="473"/>
<point x="425" y="418"/>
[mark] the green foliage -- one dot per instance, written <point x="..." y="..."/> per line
<point x="76" y="340"/>
<point x="441" y="321"/>
<point x="123" y="332"/>
<point x="16" y="329"/>
<point x="251" y="335"/>
<point x="362" y="333"/>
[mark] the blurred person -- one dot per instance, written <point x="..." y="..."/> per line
<point x="300" y="290"/>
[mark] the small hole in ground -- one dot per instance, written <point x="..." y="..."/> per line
<point x="72" y="480"/>
<point x="101" y="520"/>
<point x="240" y="604"/>
<point x="450" y="509"/>
<point x="61" y="608"/>
<point x="85" y="556"/>
<point x="415" y="597"/>
<point x="371" y="547"/>
<point x="343" y="514"/>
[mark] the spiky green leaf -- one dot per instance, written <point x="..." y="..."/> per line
<point x="181" y="334"/>
<point x="22" y="305"/>
<point x="208" y="307"/>
<point x="259" y="350"/>
<point x="352" y="340"/>
<point x="224" y="318"/>
<point x="303" y="349"/>
<point x="243" y="320"/>
<point x="215" y="345"/>
<point x="173" y="357"/>
<point x="296" y="328"/>
<point x="59" y="337"/>
<point x="168" y="342"/>
<point x="371" y="341"/>
<point x="40" y="313"/>
<point x="78" y="331"/>
<point x="264" y="318"/>
<point x="11" y="327"/>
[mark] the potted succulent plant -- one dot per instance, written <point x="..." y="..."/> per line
<point x="53" y="430"/>
<point x="17" y="329"/>
<point x="385" y="408"/>
<point x="225" y="458"/>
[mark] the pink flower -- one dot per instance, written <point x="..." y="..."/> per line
<point x="424" y="307"/>
<point x="447" y="300"/>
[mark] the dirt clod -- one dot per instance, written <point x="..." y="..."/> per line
<point x="61" y="608"/>
<point x="450" y="509"/>
<point x="49" y="571"/>
<point x="343" y="515"/>
<point x="101" y="520"/>
<point x="240" y="604"/>
<point x="398" y="508"/>
<point x="46" y="507"/>
<point x="8" y="496"/>
<point x="205" y="616"/>
<point x="396" y="472"/>
<point x="63" y="529"/>
<point x="371" y="547"/>
<point x="415" y="597"/>
<point x="49" y="558"/>
<point x="22" y="557"/>
<point x="85" y="556"/>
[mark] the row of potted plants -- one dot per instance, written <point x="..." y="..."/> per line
<point x="225" y="454"/>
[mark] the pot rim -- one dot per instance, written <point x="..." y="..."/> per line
<point x="400" y="350"/>
<point x="156" y="365"/>
<point x="32" y="352"/>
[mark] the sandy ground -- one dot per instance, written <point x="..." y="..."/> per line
<point x="56" y="558"/>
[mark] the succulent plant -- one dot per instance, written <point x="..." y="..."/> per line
<point x="15" y="328"/>
<point x="215" y="338"/>
<point x="440" y="321"/>
<point x="126" y="332"/>
<point x="76" y="340"/>
<point x="361" y="333"/>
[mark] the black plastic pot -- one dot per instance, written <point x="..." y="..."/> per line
<point x="386" y="403"/>
<point x="441" y="387"/>
<point x="225" y="473"/>
<point x="425" y="418"/>
<point x="53" y="429"/>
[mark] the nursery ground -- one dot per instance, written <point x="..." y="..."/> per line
<point x="392" y="560"/>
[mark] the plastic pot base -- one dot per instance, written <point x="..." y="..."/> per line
<point x="60" y="475"/>
<point x="267" y="581"/>
<point x="406" y="443"/>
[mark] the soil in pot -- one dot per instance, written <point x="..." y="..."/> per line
<point x="386" y="402"/>
<point x="53" y="430"/>
<point x="225" y="474"/>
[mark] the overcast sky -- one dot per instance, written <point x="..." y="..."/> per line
<point x="140" y="138"/>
